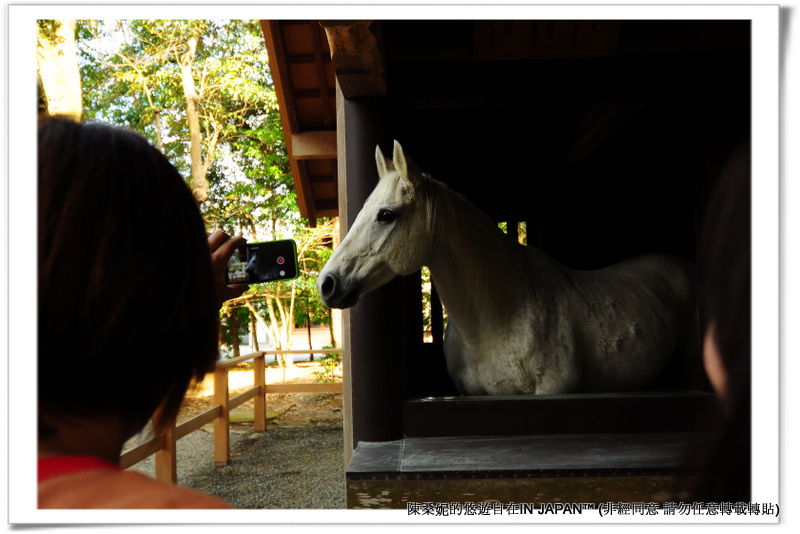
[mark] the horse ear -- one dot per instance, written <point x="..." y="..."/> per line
<point x="405" y="166"/>
<point x="383" y="165"/>
<point x="399" y="160"/>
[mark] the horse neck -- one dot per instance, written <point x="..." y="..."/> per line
<point x="475" y="267"/>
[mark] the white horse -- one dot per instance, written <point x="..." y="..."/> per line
<point x="518" y="321"/>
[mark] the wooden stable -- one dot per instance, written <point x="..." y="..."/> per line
<point x="605" y="137"/>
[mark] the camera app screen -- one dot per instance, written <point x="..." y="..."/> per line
<point x="262" y="262"/>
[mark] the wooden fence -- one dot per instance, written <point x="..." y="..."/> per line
<point x="164" y="445"/>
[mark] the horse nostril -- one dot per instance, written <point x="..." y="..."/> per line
<point x="328" y="285"/>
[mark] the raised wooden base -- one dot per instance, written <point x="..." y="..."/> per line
<point x="398" y="493"/>
<point x="594" y="468"/>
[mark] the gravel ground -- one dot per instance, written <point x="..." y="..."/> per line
<point x="282" y="468"/>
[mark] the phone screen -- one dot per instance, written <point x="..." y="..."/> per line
<point x="256" y="263"/>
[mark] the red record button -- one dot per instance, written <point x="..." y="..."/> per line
<point x="280" y="260"/>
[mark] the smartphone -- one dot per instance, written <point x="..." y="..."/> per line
<point x="256" y="263"/>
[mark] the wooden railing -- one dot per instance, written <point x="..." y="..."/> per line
<point x="164" y="445"/>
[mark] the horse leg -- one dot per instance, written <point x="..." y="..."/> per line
<point x="458" y="366"/>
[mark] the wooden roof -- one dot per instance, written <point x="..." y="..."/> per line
<point x="302" y="71"/>
<point x="458" y="85"/>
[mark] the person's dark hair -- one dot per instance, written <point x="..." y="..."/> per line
<point x="724" y="260"/>
<point x="127" y="306"/>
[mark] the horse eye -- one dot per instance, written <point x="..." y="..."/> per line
<point x="386" y="216"/>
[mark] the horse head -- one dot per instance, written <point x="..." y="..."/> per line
<point x="391" y="235"/>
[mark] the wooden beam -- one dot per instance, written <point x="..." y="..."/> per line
<point x="314" y="93"/>
<point x="146" y="449"/>
<point x="233" y="362"/>
<point x="590" y="413"/>
<point x="243" y="397"/>
<point x="356" y="57"/>
<point x="314" y="145"/>
<point x="196" y="422"/>
<point x="327" y="206"/>
<point x="331" y="387"/>
<point x="281" y="75"/>
<point x="342" y="224"/>
<point x="320" y="59"/>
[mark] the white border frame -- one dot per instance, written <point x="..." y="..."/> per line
<point x="20" y="128"/>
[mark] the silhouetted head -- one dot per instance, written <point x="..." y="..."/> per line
<point x="127" y="306"/>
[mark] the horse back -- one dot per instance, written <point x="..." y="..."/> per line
<point x="636" y="320"/>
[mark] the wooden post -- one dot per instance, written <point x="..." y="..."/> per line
<point x="259" y="403"/>
<point x="374" y="368"/>
<point x="341" y="318"/>
<point x="222" y="450"/>
<point x="167" y="458"/>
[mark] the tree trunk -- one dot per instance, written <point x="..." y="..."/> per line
<point x="331" y="328"/>
<point x="234" y="324"/>
<point x="290" y="312"/>
<point x="58" y="67"/>
<point x="274" y="325"/>
<point x="287" y="326"/>
<point x="310" y="346"/>
<point x="199" y="182"/>
<point x="253" y="331"/>
<point x="260" y="319"/>
<point x="159" y="142"/>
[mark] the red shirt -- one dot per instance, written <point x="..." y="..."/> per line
<point x="64" y="465"/>
<point x="87" y="482"/>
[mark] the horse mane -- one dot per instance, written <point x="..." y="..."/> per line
<point x="468" y="243"/>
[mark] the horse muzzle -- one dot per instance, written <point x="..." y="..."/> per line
<point x="334" y="293"/>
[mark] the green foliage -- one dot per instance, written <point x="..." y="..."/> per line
<point x="131" y="76"/>
<point x="227" y="333"/>
<point x="48" y="31"/>
<point x="427" y="302"/>
<point x="331" y="362"/>
<point x="314" y="250"/>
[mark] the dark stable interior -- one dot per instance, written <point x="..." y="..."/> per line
<point x="607" y="153"/>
